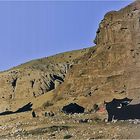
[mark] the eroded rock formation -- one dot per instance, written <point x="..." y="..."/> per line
<point x="111" y="68"/>
<point x="35" y="78"/>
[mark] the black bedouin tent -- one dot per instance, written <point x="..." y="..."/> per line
<point x="73" y="108"/>
<point x="121" y="109"/>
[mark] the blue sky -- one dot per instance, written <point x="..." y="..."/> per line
<point x="33" y="29"/>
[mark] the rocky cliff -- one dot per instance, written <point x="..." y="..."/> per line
<point x="90" y="76"/>
<point x="111" y="68"/>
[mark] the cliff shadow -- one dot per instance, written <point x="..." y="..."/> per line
<point x="25" y="108"/>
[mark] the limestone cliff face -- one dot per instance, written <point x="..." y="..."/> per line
<point x="120" y="26"/>
<point x="112" y="68"/>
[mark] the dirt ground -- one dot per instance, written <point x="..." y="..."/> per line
<point x="84" y="126"/>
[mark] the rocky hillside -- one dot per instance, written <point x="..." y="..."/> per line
<point x="111" y="68"/>
<point x="32" y="79"/>
<point x="87" y="77"/>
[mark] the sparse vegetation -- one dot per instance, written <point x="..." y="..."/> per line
<point x="47" y="104"/>
<point x="67" y="136"/>
<point x="95" y="107"/>
<point x="97" y="119"/>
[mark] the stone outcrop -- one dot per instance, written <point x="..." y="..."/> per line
<point x="111" y="68"/>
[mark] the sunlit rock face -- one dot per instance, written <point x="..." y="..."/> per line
<point x="111" y="68"/>
<point x="120" y="26"/>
